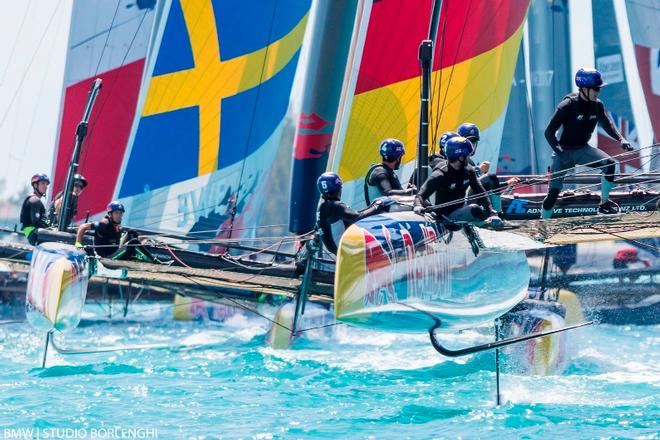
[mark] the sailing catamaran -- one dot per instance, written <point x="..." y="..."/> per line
<point x="186" y="129"/>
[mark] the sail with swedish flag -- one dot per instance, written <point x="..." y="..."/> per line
<point x="215" y="89"/>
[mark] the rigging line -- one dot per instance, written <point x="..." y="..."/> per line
<point x="503" y="189"/>
<point x="164" y="233"/>
<point x="620" y="237"/>
<point x="436" y="127"/>
<point x="254" y="311"/>
<point x="252" y="120"/>
<point x="233" y="301"/>
<point x="453" y="66"/>
<point x="477" y="72"/>
<point x="107" y="37"/>
<point x="496" y="191"/>
<point x="8" y="61"/>
<point x="34" y="55"/>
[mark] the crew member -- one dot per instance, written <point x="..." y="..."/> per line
<point x="449" y="182"/>
<point x="577" y="114"/>
<point x="109" y="241"/>
<point x="334" y="216"/>
<point x="33" y="211"/>
<point x="381" y="180"/>
<point x="489" y="181"/>
<point x="79" y="184"/>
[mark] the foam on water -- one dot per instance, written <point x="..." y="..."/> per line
<point x="343" y="382"/>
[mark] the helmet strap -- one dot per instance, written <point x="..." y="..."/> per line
<point x="34" y="187"/>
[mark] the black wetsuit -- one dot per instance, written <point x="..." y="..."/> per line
<point x="107" y="238"/>
<point x="52" y="212"/>
<point x="33" y="216"/>
<point x="383" y="182"/>
<point x="578" y="118"/>
<point x="449" y="185"/>
<point x="107" y="235"/>
<point x="335" y="216"/>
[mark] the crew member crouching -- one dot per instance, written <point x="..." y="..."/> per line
<point x="334" y="216"/>
<point x="110" y="240"/>
<point x="449" y="182"/>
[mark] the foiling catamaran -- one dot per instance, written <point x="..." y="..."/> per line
<point x="170" y="137"/>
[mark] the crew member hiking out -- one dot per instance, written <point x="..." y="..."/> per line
<point x="489" y="181"/>
<point x="449" y="181"/>
<point x="109" y="241"/>
<point x="577" y="114"/>
<point x="381" y="180"/>
<point x="79" y="184"/>
<point x="33" y="211"/>
<point x="334" y="216"/>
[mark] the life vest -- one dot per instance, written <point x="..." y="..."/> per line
<point x="371" y="192"/>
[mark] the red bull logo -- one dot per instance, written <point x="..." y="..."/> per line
<point x="405" y="270"/>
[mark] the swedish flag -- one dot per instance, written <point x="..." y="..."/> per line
<point x="220" y="86"/>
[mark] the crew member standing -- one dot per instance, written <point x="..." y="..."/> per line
<point x="577" y="114"/>
<point x="33" y="211"/>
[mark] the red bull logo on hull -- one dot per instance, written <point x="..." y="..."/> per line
<point x="405" y="264"/>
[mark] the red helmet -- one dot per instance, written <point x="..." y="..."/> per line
<point x="627" y="255"/>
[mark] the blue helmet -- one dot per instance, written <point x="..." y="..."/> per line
<point x="40" y="177"/>
<point x="445" y="137"/>
<point x="115" y="205"/>
<point x="588" y="77"/>
<point x="468" y="130"/>
<point x="391" y="149"/>
<point x="458" y="147"/>
<point x="328" y="183"/>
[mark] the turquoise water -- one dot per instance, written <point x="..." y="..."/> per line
<point x="348" y="384"/>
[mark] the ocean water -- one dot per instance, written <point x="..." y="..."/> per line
<point x="339" y="383"/>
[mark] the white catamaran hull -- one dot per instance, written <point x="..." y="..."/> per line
<point x="400" y="272"/>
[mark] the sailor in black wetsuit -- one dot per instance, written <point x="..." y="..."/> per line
<point x="33" y="211"/>
<point x="108" y="240"/>
<point x="79" y="184"/>
<point x="449" y="182"/>
<point x="381" y="180"/>
<point x="489" y="181"/>
<point x="334" y="216"/>
<point x="577" y="114"/>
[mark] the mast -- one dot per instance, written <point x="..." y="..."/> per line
<point x="426" y="49"/>
<point x="329" y="45"/>
<point x="81" y="132"/>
